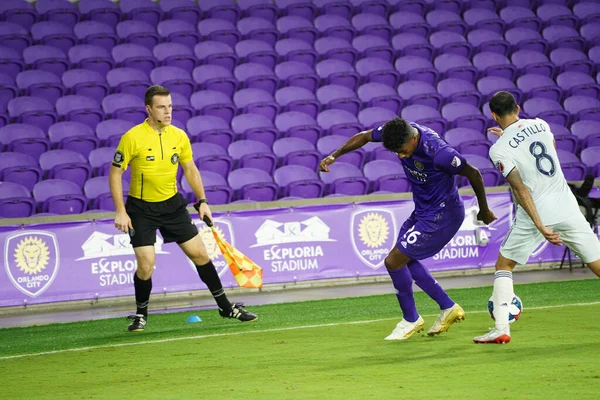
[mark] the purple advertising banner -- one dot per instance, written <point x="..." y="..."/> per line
<point x="91" y="259"/>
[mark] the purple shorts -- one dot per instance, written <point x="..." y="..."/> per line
<point x="423" y="237"/>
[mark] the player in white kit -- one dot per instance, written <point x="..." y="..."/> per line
<point x="547" y="209"/>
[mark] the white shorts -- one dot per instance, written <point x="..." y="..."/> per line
<point x="523" y="238"/>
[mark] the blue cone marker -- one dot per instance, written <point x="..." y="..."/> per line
<point x="194" y="318"/>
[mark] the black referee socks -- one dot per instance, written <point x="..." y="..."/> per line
<point x="142" y="294"/>
<point x="209" y="276"/>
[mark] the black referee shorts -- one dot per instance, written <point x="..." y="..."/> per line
<point x="170" y="217"/>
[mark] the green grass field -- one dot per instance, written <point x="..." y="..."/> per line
<point x="331" y="349"/>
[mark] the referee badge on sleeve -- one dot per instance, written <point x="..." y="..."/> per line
<point x="174" y="158"/>
<point x="118" y="158"/>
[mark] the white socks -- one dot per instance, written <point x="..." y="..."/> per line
<point x="503" y="295"/>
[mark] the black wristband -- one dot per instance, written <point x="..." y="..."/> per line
<point x="202" y="201"/>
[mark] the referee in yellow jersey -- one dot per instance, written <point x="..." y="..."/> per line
<point x="153" y="150"/>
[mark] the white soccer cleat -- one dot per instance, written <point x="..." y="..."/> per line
<point x="405" y="329"/>
<point x="446" y="318"/>
<point x="494" y="336"/>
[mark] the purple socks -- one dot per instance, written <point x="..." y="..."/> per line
<point x="403" y="283"/>
<point x="428" y="284"/>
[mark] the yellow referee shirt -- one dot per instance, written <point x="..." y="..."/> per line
<point x="154" y="160"/>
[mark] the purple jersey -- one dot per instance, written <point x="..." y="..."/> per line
<point x="431" y="170"/>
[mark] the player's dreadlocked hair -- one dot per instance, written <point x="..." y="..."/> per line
<point x="395" y="133"/>
<point x="502" y="104"/>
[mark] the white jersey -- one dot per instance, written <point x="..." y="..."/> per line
<point x="528" y="146"/>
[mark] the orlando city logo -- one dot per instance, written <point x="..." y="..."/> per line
<point x="31" y="261"/>
<point x="225" y="231"/>
<point x="372" y="234"/>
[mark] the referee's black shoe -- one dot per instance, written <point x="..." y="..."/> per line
<point x="237" y="311"/>
<point x="138" y="324"/>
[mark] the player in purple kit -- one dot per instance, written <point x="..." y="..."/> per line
<point x="430" y="165"/>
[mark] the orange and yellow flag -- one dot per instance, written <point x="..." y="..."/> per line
<point x="244" y="270"/>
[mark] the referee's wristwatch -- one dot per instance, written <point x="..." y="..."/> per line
<point x="202" y="201"/>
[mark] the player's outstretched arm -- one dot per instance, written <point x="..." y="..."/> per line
<point x="524" y="198"/>
<point x="355" y="142"/>
<point x="193" y="177"/>
<point x="474" y="176"/>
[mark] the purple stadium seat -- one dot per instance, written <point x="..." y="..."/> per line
<point x="571" y="60"/>
<point x="532" y="62"/>
<point x="257" y="28"/>
<point x="212" y="157"/>
<point x="386" y="175"/>
<point x="546" y="109"/>
<point x="19" y="12"/>
<point x="61" y="11"/>
<point x="489" y="85"/>
<point x="14" y="36"/>
<point x="80" y="109"/>
<point x="462" y="115"/>
<point x="572" y="167"/>
<point x="338" y="97"/>
<point x="256" y="51"/>
<point x="555" y="14"/>
<point x="564" y="36"/>
<point x="588" y="132"/>
<point x="256" y="76"/>
<point x="424" y="115"/>
<point x="591" y="157"/>
<point x="223" y="9"/>
<point x="338" y="72"/>
<point x="443" y="20"/>
<point x="124" y="106"/>
<point x="582" y="107"/>
<point x="526" y="39"/>
<point x="490" y="175"/>
<point x="178" y="31"/>
<point x="294" y="73"/>
<point x="11" y="62"/>
<point x="299" y="8"/>
<point x="216" y="53"/>
<point x="455" y="66"/>
<point x="418" y="7"/>
<point x="373" y="117"/>
<point x="55" y="34"/>
<point x="134" y="56"/>
<point x="377" y="7"/>
<point x="20" y="168"/>
<point x="373" y="69"/>
<point x="455" y="6"/>
<point x="209" y="129"/>
<point x="342" y="8"/>
<point x="128" y="80"/>
<point x="409" y="22"/>
<point x="176" y="79"/>
<point x="255" y="127"/>
<point x="379" y="95"/>
<point x="298" y="181"/>
<point x="294" y="27"/>
<point x="336" y="48"/>
<point x="215" y="77"/>
<point x="297" y="151"/>
<point x="484" y="40"/>
<point x="328" y="144"/>
<point x="468" y="141"/>
<point x="181" y="10"/>
<point x="91" y="57"/>
<point x="216" y="188"/>
<point x="264" y="9"/>
<point x="296" y="50"/>
<point x="412" y="44"/>
<point x="75" y="136"/>
<point x="59" y="196"/>
<point x="578" y="84"/>
<point x="210" y="102"/>
<point x="256" y="101"/>
<point x="587" y="11"/>
<point x="298" y="124"/>
<point x="104" y="11"/>
<point x="219" y="30"/>
<point x="372" y="24"/>
<point x="374" y="46"/>
<point x="539" y="86"/>
<point x="66" y="164"/>
<point x="33" y="111"/>
<point x="564" y="139"/>
<point x="23" y="138"/>
<point x="417" y="92"/>
<point x="96" y="33"/>
<point x="299" y="99"/>
<point x="100" y="160"/>
<point x="458" y="90"/>
<point x="520" y="17"/>
<point x="252" y="184"/>
<point x="15" y="201"/>
<point x="182" y="110"/>
<point x="86" y="82"/>
<point x="175" y="55"/>
<point x="594" y="53"/>
<point x="46" y="58"/>
<point x="445" y="42"/>
<point x="138" y="32"/>
<point x="8" y="88"/>
<point x="142" y="10"/>
<point x="345" y="179"/>
<point x="339" y="122"/>
<point x="42" y="84"/>
<point x="494" y="64"/>
<point x="252" y="154"/>
<point x="479" y="18"/>
<point x="98" y="193"/>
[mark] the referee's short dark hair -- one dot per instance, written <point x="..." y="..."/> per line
<point x="155" y="90"/>
<point x="502" y="104"/>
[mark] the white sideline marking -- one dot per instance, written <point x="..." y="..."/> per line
<point x="289" y="328"/>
